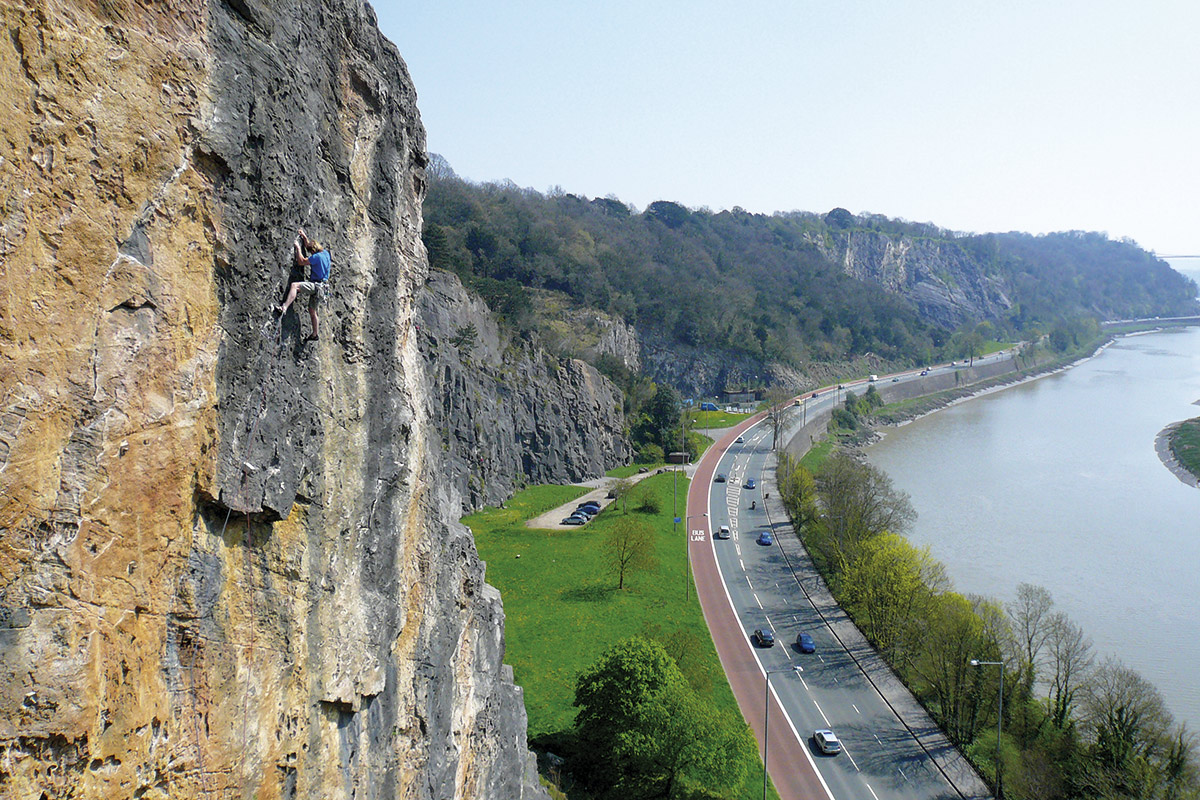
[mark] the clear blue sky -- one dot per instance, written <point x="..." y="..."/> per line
<point x="1033" y="116"/>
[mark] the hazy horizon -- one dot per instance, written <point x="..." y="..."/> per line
<point x="977" y="119"/>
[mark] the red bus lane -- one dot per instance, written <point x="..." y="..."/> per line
<point x="789" y="762"/>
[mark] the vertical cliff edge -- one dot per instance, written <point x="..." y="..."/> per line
<point x="230" y="564"/>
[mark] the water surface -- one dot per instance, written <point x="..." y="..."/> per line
<point x="1056" y="482"/>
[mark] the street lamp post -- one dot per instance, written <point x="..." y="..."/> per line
<point x="999" y="720"/>
<point x="767" y="717"/>
<point x="687" y="552"/>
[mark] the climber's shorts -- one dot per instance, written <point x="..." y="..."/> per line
<point x="315" y="289"/>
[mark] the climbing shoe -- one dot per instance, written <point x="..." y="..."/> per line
<point x="312" y="337"/>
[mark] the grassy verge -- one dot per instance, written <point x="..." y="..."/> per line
<point x="563" y="609"/>
<point x="632" y="469"/>
<point x="1185" y="445"/>
<point x="699" y="420"/>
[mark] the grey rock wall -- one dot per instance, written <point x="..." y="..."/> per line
<point x="231" y="563"/>
<point x="945" y="283"/>
<point x="508" y="413"/>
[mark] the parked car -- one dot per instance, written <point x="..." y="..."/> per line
<point x="586" y="513"/>
<point x="765" y="538"/>
<point x="750" y="483"/>
<point x="739" y="440"/>
<point x="720" y="478"/>
<point x="574" y="519"/>
<point x="592" y="504"/>
<point x="806" y="644"/>
<point x="764" y="637"/>
<point x="827" y="742"/>
<point x="722" y="532"/>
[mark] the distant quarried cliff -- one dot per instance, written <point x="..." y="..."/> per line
<point x="229" y="560"/>
<point x="943" y="282"/>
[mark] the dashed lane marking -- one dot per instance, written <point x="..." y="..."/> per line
<point x="822" y="713"/>
<point x="872" y="791"/>
<point x="760" y="605"/>
<point x="856" y="709"/>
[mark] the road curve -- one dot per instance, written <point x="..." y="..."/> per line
<point x="790" y="763"/>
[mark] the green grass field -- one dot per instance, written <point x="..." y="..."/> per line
<point x="699" y="420"/>
<point x="563" y="609"/>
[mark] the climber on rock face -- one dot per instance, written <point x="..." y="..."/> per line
<point x="309" y="253"/>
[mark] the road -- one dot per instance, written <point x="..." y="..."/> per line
<point x="744" y="585"/>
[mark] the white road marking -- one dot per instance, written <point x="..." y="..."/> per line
<point x="872" y="791"/>
<point x="902" y="775"/>
<point x="855" y="709"/>
<point x="822" y="713"/>
<point x="748" y="583"/>
<point x="743" y="568"/>
<point x="852" y="761"/>
<point x="760" y="605"/>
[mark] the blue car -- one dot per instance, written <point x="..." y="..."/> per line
<point x="806" y="643"/>
<point x="765" y="538"/>
<point x="750" y="483"/>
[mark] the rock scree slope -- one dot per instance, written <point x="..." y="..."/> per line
<point x="230" y="562"/>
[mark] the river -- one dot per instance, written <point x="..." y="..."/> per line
<point x="1056" y="482"/>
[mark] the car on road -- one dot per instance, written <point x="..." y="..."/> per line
<point x="816" y="394"/>
<point x="722" y="532"/>
<point x="764" y="637"/>
<point x="827" y="742"/>
<point x="720" y="478"/>
<point x="924" y="372"/>
<point x="895" y="380"/>
<point x="739" y="440"/>
<point x="749" y="483"/>
<point x="764" y="538"/>
<point x="574" y="519"/>
<point x="806" y="644"/>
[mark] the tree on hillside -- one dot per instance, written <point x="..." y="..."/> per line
<point x="1128" y="727"/>
<point x="889" y="590"/>
<point x="645" y="734"/>
<point x="1031" y="616"/>
<point x="860" y="502"/>
<point x="629" y="546"/>
<point x="1069" y="655"/>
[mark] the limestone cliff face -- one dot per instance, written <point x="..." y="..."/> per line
<point x="228" y="560"/>
<point x="508" y="413"/>
<point x="944" y="282"/>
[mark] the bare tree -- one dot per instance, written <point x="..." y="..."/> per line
<point x="779" y="405"/>
<point x="629" y="546"/>
<point x="620" y="489"/>
<point x="1129" y="727"/>
<point x="1069" y="653"/>
<point x="1030" y="613"/>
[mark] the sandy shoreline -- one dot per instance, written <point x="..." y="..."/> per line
<point x="1162" y="446"/>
